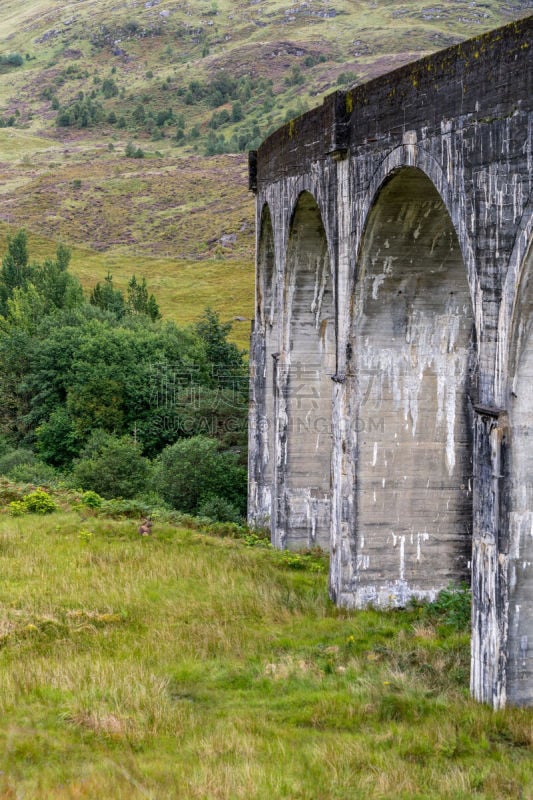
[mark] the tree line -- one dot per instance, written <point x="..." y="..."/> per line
<point x="102" y="393"/>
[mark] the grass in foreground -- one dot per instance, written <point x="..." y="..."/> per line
<point x="185" y="666"/>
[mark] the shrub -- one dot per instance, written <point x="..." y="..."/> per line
<point x="114" y="468"/>
<point x="164" y="116"/>
<point x="191" y="470"/>
<point x="131" y="27"/>
<point x="5" y="446"/>
<point x="295" y="78"/>
<point x="16" y="507"/>
<point x="109" y="88"/>
<point x="58" y="442"/>
<point x="236" y="112"/>
<point x="346" y="78"/>
<point x="37" y="502"/>
<point x="253" y="539"/>
<point x="82" y="113"/>
<point x="14" y="458"/>
<point x="311" y="560"/>
<point x="133" y="152"/>
<point x="91" y="500"/>
<point x="126" y="508"/>
<point x="219" y="509"/>
<point x="38" y="472"/>
<point x="11" y="60"/>
<point x="451" y="608"/>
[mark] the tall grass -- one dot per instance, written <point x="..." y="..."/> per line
<point x="185" y="666"/>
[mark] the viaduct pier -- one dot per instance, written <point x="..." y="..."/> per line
<point x="391" y="417"/>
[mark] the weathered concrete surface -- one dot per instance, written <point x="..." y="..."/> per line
<point x="392" y="354"/>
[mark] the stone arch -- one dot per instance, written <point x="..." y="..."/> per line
<point x="266" y="269"/>
<point x="306" y="366"/>
<point x="270" y="321"/>
<point x="415" y="156"/>
<point x="409" y="374"/>
<point x="518" y="262"/>
<point x="520" y="496"/>
<point x="264" y="342"/>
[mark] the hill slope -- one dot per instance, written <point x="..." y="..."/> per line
<point x="84" y="83"/>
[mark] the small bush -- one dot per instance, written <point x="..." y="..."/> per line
<point x="11" y="60"/>
<point x="346" y="78"/>
<point x="133" y="152"/>
<point x="295" y="78"/>
<point x="252" y="539"/>
<point x="112" y="467"/>
<point x="37" y="472"/>
<point x="310" y="560"/>
<point x="17" y="508"/>
<point x="91" y="500"/>
<point x="109" y="88"/>
<point x="5" y="446"/>
<point x="37" y="502"/>
<point x="451" y="608"/>
<point x="14" y="458"/>
<point x="192" y="469"/>
<point x="132" y="509"/>
<point x="219" y="509"/>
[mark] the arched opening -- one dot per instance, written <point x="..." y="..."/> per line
<point x="266" y="342"/>
<point x="413" y="358"/>
<point x="271" y="333"/>
<point x="310" y="364"/>
<point x="266" y="269"/>
<point x="520" y="636"/>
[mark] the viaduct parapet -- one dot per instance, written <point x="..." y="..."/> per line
<point x="391" y="416"/>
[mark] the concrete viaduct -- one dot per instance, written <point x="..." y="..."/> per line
<point x="391" y="417"/>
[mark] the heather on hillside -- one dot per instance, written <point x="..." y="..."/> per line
<point x="124" y="127"/>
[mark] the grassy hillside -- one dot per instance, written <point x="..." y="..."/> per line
<point x="185" y="666"/>
<point x="192" y="86"/>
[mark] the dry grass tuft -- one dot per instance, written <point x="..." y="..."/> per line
<point x="98" y="722"/>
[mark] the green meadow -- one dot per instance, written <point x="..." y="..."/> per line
<point x="182" y="665"/>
